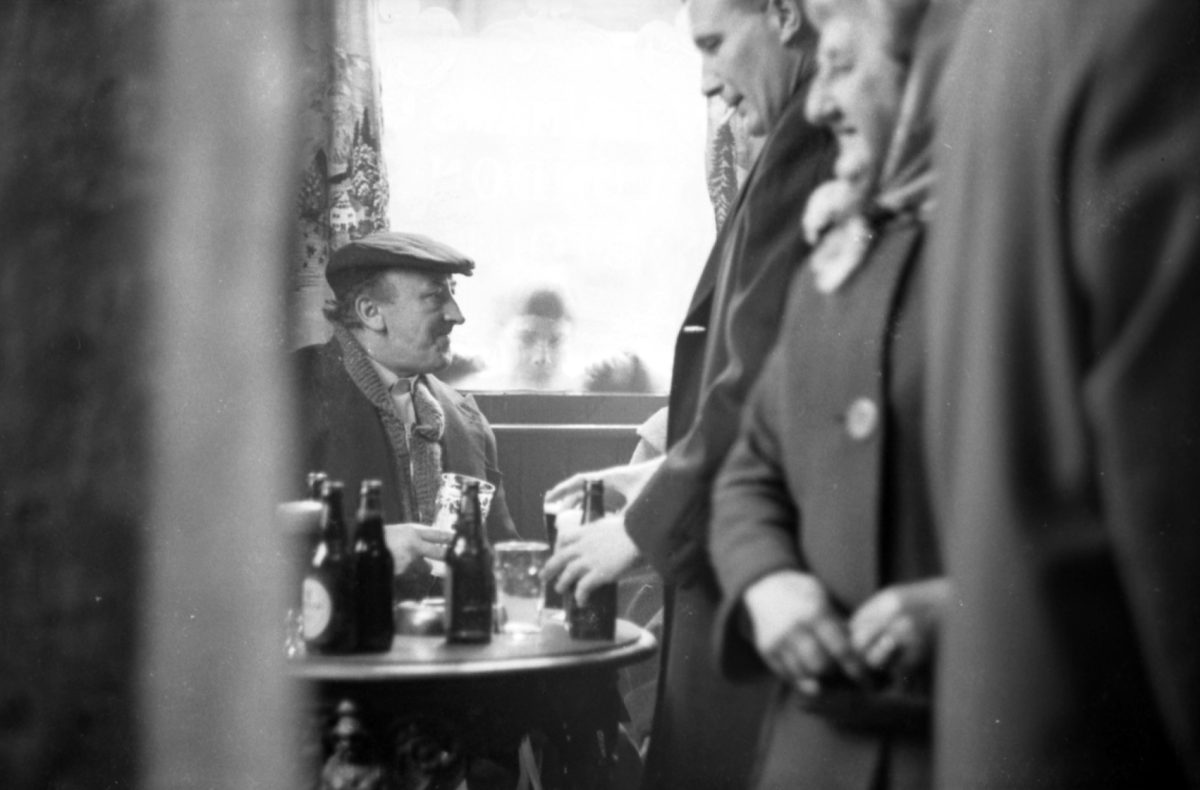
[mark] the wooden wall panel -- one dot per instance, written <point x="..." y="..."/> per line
<point x="542" y="439"/>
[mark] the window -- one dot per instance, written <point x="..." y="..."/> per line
<point x="560" y="143"/>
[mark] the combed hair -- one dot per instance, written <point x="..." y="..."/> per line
<point x="340" y="309"/>
<point x="808" y="33"/>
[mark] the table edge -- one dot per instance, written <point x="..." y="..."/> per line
<point x="371" y="669"/>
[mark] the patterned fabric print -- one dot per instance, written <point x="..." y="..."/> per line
<point x="721" y="171"/>
<point x="426" y="449"/>
<point x="344" y="192"/>
<point x="729" y="156"/>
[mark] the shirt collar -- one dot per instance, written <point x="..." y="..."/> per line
<point x="390" y="380"/>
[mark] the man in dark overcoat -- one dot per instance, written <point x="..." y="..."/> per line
<point x="1064" y="423"/>
<point x="757" y="57"/>
<point x="370" y="404"/>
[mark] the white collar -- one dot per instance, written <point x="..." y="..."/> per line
<point x="390" y="380"/>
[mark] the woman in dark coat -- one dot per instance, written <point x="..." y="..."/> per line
<point x="822" y="538"/>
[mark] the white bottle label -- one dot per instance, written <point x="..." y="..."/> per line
<point x="318" y="608"/>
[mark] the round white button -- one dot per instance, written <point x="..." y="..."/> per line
<point x="862" y="418"/>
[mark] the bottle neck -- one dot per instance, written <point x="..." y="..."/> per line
<point x="469" y="526"/>
<point x="369" y="528"/>
<point x="593" y="502"/>
<point x="333" y="528"/>
<point x="369" y="519"/>
<point x="316" y="482"/>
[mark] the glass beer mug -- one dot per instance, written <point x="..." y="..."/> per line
<point x="449" y="497"/>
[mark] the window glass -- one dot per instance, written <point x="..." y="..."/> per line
<point x="560" y="143"/>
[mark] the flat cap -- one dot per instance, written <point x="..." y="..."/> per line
<point x="390" y="250"/>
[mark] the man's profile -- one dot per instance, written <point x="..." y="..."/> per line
<point x="370" y="405"/>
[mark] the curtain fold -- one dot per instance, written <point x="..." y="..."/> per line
<point x="343" y="193"/>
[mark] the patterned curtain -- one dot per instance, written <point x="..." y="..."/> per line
<point x="731" y="153"/>
<point x="343" y="192"/>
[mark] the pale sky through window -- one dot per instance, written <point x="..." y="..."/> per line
<point x="554" y="152"/>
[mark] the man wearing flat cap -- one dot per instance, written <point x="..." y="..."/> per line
<point x="370" y="404"/>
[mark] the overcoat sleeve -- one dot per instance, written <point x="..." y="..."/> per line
<point x="754" y="520"/>
<point x="1135" y="223"/>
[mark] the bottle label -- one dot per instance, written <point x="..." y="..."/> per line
<point x="318" y="608"/>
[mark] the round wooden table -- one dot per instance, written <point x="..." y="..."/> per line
<point x="556" y="695"/>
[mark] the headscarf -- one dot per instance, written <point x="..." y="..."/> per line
<point x="843" y="229"/>
<point x="907" y="180"/>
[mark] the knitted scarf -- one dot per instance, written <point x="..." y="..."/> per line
<point x="358" y="367"/>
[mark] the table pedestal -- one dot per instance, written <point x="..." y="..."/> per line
<point x="432" y="714"/>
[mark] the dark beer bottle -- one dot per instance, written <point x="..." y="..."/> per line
<point x="316" y="493"/>
<point x="373" y="571"/>
<point x="597" y="617"/>
<point x="470" y="579"/>
<point x="328" y="587"/>
<point x="552" y="599"/>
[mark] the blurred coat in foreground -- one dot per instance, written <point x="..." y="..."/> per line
<point x="1064" y="408"/>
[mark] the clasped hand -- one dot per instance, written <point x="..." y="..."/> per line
<point x="802" y="638"/>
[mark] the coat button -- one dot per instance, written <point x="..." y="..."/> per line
<point x="862" y="418"/>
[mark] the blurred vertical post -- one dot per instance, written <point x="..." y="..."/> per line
<point x="214" y="703"/>
<point x="80" y="96"/>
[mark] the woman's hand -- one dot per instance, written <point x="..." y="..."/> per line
<point x="898" y="626"/>
<point x="590" y="555"/>
<point x="797" y="632"/>
<point x="622" y="484"/>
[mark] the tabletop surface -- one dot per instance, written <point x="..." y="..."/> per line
<point x="431" y="658"/>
